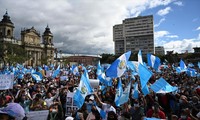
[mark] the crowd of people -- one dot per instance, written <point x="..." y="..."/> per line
<point x="51" y="93"/>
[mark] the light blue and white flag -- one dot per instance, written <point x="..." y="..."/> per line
<point x="135" y="93"/>
<point x="145" y="90"/>
<point x="162" y="86"/>
<point x="125" y="95"/>
<point x="140" y="60"/>
<point x="105" y="80"/>
<point x="191" y="72"/>
<point x="183" y="66"/>
<point x="98" y="69"/>
<point x="133" y="65"/>
<point x="83" y="90"/>
<point x="145" y="74"/>
<point x="55" y="73"/>
<point x="102" y="113"/>
<point x="118" y="67"/>
<point x="37" y="76"/>
<point x="190" y="65"/>
<point x="153" y="61"/>
<point x="119" y="92"/>
<point x="75" y="70"/>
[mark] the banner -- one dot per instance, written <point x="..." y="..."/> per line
<point x="38" y="115"/>
<point x="6" y="81"/>
<point x="94" y="83"/>
<point x="70" y="106"/>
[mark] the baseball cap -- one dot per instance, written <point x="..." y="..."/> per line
<point x="91" y="97"/>
<point x="14" y="110"/>
<point x="69" y="118"/>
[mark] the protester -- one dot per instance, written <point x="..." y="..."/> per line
<point x="50" y="93"/>
<point x="12" y="111"/>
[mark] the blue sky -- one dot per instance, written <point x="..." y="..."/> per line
<point x="178" y="21"/>
<point x="85" y="26"/>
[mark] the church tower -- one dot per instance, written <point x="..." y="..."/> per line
<point x="47" y="40"/>
<point x="6" y="27"/>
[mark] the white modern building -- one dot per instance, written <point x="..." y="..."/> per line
<point x="134" y="34"/>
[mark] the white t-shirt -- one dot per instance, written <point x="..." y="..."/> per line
<point x="49" y="101"/>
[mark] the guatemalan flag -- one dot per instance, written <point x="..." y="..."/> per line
<point x="119" y="92"/>
<point x="125" y="95"/>
<point x="37" y="76"/>
<point x="118" y="67"/>
<point x="162" y="86"/>
<point x="98" y="69"/>
<point x="145" y="74"/>
<point x="135" y="92"/>
<point x="153" y="61"/>
<point x="140" y="60"/>
<point x="183" y="66"/>
<point x="75" y="70"/>
<point x="83" y="90"/>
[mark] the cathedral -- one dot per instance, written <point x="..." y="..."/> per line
<point x="38" y="47"/>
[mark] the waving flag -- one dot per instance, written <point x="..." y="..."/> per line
<point x="162" y="86"/>
<point x="125" y="95"/>
<point x="83" y="90"/>
<point x="118" y="67"/>
<point x="135" y="93"/>
<point x="153" y="61"/>
<point x="133" y="65"/>
<point x="182" y="65"/>
<point x="55" y="73"/>
<point x="105" y="80"/>
<point x="37" y="76"/>
<point x="191" y="72"/>
<point x="145" y="90"/>
<point x="98" y="68"/>
<point x="140" y="57"/>
<point x="102" y="113"/>
<point x="119" y="92"/>
<point x="75" y="70"/>
<point x="145" y="74"/>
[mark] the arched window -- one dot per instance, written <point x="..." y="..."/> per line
<point x="8" y="32"/>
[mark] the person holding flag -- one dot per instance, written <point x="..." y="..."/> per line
<point x="106" y="105"/>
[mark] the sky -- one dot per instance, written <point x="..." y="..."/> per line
<point x="86" y="26"/>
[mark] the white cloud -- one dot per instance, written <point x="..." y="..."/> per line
<point x="165" y="11"/>
<point x="198" y="28"/>
<point x="155" y="3"/>
<point x="179" y="3"/>
<point x="181" y="46"/>
<point x="172" y="36"/>
<point x="160" y="34"/>
<point x="161" y="20"/>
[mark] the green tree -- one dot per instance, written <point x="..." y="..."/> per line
<point x="12" y="54"/>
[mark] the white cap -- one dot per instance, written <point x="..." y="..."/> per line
<point x="91" y="97"/>
<point x="69" y="118"/>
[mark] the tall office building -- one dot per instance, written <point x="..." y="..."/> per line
<point x="159" y="50"/>
<point x="134" y="34"/>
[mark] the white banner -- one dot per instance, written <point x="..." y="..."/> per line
<point x="38" y="115"/>
<point x="94" y="83"/>
<point x="6" y="81"/>
<point x="70" y="106"/>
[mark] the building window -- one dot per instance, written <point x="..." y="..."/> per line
<point x="8" y="33"/>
